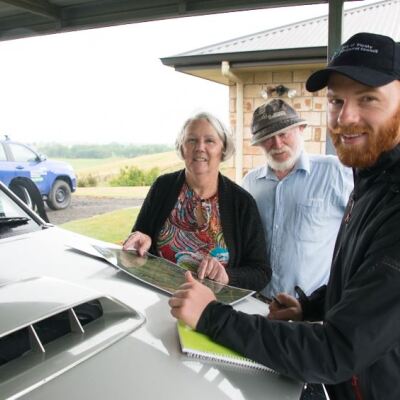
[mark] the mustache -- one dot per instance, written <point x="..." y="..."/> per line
<point x="272" y="152"/>
<point x="349" y="130"/>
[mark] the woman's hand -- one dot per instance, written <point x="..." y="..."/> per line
<point x="131" y="260"/>
<point x="137" y="241"/>
<point x="285" y="307"/>
<point x="211" y="268"/>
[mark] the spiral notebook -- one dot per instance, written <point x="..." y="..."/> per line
<point x="195" y="344"/>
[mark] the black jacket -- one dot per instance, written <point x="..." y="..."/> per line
<point x="240" y="221"/>
<point x="359" y="340"/>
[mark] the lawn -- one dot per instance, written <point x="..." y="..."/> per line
<point x="80" y="164"/>
<point x="111" y="227"/>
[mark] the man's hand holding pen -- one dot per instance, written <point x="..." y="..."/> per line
<point x="285" y="307"/>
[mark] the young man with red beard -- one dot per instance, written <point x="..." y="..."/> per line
<point x="355" y="351"/>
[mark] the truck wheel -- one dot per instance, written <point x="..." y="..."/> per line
<point x="60" y="195"/>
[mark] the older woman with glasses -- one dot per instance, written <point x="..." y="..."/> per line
<point x="199" y="218"/>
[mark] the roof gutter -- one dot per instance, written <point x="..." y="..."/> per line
<point x="226" y="71"/>
<point x="260" y="57"/>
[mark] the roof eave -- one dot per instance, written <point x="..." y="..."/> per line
<point x="248" y="58"/>
<point x="208" y="66"/>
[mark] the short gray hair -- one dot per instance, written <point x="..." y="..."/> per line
<point x="222" y="131"/>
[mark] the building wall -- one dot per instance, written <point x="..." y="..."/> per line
<point x="310" y="106"/>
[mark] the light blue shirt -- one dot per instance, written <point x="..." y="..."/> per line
<point x="301" y="215"/>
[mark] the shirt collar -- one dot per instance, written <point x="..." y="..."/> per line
<point x="302" y="164"/>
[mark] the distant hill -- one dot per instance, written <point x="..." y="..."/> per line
<point x="102" y="151"/>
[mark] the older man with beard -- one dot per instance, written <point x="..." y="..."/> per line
<point x="301" y="199"/>
<point x="355" y="351"/>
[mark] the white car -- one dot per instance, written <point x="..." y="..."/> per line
<point x="74" y="327"/>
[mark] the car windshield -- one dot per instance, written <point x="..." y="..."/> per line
<point x="13" y="219"/>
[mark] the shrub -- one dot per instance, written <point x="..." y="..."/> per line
<point x="87" y="181"/>
<point x="134" y="176"/>
<point x="151" y="176"/>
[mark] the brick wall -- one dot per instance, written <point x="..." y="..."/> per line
<point x="310" y="106"/>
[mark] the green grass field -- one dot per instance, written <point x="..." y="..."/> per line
<point x="111" y="227"/>
<point x="105" y="168"/>
<point x="80" y="164"/>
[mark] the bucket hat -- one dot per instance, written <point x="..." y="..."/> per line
<point x="273" y="118"/>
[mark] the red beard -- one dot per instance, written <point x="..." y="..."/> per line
<point x="367" y="155"/>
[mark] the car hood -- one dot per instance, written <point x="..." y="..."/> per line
<point x="147" y="364"/>
<point x="57" y="165"/>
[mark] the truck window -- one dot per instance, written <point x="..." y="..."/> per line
<point x="22" y="153"/>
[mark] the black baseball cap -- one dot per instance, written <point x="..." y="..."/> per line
<point x="368" y="58"/>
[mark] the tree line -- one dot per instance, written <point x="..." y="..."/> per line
<point x="101" y="150"/>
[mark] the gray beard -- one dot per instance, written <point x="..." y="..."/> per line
<point x="288" y="164"/>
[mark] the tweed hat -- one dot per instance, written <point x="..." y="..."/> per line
<point x="367" y="58"/>
<point x="273" y="118"/>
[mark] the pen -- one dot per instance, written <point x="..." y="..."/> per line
<point x="280" y="305"/>
<point x="300" y="294"/>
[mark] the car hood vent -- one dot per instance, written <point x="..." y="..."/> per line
<point x="54" y="325"/>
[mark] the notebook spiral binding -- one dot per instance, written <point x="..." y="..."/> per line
<point x="235" y="361"/>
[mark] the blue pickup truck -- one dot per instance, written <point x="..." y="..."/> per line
<point x="55" y="180"/>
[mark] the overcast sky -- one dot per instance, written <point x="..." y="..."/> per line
<point x="104" y="85"/>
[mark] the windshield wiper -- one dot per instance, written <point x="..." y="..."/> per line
<point x="13" y="221"/>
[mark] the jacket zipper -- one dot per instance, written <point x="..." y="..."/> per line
<point x="356" y="387"/>
<point x="349" y="210"/>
